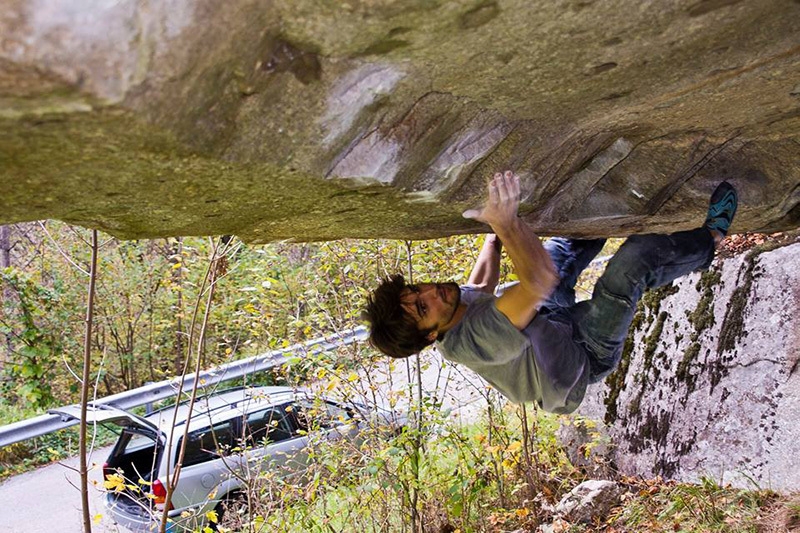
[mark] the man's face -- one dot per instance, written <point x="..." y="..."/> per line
<point x="432" y="305"/>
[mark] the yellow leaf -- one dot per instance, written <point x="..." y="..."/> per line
<point x="114" y="482"/>
<point x="352" y="377"/>
<point x="96" y="519"/>
<point x="212" y="516"/>
<point x="515" y="446"/>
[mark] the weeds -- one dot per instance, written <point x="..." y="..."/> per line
<point x="656" y="505"/>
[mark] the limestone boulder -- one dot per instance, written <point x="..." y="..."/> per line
<point x="709" y="385"/>
<point x="593" y="498"/>
<point x="302" y="119"/>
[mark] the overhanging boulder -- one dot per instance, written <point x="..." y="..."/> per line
<point x="306" y="120"/>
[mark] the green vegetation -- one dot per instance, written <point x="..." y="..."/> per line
<point x="269" y="297"/>
<point x="705" y="507"/>
<point x="501" y="472"/>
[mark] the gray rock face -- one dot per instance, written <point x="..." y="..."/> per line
<point x="711" y="386"/>
<point x="315" y="120"/>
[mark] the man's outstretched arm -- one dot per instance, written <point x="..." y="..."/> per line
<point x="532" y="264"/>
<point x="486" y="273"/>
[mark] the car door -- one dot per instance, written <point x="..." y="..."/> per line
<point x="325" y="419"/>
<point x="210" y="458"/>
<point x="274" y="441"/>
<point x="319" y="422"/>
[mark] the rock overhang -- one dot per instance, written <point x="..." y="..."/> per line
<point x="310" y="121"/>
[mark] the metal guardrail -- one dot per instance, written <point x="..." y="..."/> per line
<point x="41" y="425"/>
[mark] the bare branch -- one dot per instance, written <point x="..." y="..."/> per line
<point x="61" y="250"/>
<point x="87" y="363"/>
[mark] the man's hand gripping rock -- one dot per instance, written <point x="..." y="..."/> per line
<point x="500" y="210"/>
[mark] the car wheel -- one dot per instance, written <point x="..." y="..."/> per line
<point x="232" y="512"/>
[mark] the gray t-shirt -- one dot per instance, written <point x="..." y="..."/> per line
<point x="538" y="364"/>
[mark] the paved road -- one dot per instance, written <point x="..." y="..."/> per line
<point x="47" y="500"/>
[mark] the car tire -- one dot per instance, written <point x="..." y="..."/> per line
<point x="231" y="508"/>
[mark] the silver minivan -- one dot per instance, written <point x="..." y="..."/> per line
<point x="229" y="433"/>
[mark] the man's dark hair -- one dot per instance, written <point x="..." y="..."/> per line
<point x="392" y="330"/>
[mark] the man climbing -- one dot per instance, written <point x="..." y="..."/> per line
<point x="533" y="342"/>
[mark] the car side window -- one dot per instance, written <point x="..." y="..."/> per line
<point x="320" y="415"/>
<point x="337" y="414"/>
<point x="270" y="424"/>
<point x="208" y="443"/>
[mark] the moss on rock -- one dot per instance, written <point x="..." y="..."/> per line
<point x="647" y="308"/>
<point x="701" y="318"/>
<point x="733" y="329"/>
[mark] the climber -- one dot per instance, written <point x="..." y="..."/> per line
<point x="533" y="342"/>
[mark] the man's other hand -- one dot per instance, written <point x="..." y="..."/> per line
<point x="500" y="210"/>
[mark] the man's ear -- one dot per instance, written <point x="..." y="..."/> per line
<point x="432" y="336"/>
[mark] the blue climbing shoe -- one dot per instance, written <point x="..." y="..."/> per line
<point x="722" y="208"/>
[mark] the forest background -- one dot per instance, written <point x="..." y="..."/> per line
<point x="503" y="471"/>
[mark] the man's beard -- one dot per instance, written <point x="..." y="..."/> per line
<point x="455" y="286"/>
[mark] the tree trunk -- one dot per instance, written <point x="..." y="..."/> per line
<point x="177" y="277"/>
<point x="5" y="247"/>
<point x="85" y="384"/>
<point x="5" y="294"/>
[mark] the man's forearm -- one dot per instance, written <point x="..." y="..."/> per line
<point x="532" y="264"/>
<point x="486" y="273"/>
<point x="535" y="270"/>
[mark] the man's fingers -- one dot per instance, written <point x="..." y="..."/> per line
<point x="504" y="190"/>
<point x="494" y="193"/>
<point x="514" y="187"/>
<point x="508" y="186"/>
